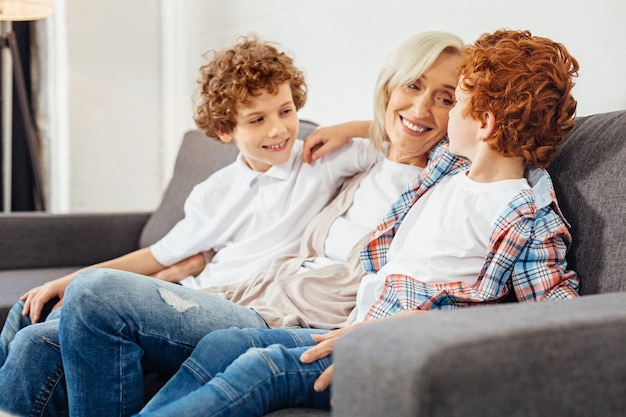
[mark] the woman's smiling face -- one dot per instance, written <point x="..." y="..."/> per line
<point x="417" y="114"/>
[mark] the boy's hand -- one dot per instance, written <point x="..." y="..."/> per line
<point x="189" y="266"/>
<point x="324" y="140"/>
<point x="325" y="346"/>
<point x="36" y="298"/>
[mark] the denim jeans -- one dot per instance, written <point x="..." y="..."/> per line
<point x="116" y="324"/>
<point x="243" y="372"/>
<point x="15" y="321"/>
<point x="31" y="376"/>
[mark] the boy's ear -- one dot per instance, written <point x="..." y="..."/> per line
<point x="225" y="137"/>
<point x="487" y="126"/>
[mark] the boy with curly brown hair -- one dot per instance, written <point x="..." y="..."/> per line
<point x="503" y="234"/>
<point x="255" y="209"/>
<point x="249" y="213"/>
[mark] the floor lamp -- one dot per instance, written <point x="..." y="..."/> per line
<point x="12" y="11"/>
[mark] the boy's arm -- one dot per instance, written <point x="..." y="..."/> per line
<point x="541" y="272"/>
<point x="327" y="139"/>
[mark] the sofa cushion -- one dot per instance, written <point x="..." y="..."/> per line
<point x="198" y="158"/>
<point x="588" y="174"/>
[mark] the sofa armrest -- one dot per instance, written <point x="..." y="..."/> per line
<point x="557" y="358"/>
<point x="43" y="240"/>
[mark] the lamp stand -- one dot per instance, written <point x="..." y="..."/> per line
<point x="12" y="71"/>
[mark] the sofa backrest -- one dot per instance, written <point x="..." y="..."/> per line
<point x="198" y="157"/>
<point x="588" y="175"/>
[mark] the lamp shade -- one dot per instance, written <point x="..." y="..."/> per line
<point x="25" y="10"/>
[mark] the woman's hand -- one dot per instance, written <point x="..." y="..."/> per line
<point x="324" y="140"/>
<point x="189" y="266"/>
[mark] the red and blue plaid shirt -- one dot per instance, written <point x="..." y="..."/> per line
<point x="526" y="252"/>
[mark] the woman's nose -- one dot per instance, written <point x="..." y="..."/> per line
<point x="422" y="106"/>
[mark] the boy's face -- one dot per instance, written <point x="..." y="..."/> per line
<point x="266" y="129"/>
<point x="463" y="130"/>
<point x="416" y="117"/>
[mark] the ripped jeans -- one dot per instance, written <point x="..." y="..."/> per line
<point x="114" y="326"/>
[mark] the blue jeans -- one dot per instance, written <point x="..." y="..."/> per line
<point x="15" y="321"/>
<point x="31" y="376"/>
<point x="243" y="372"/>
<point x="116" y="324"/>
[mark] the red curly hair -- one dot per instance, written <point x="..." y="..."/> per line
<point x="232" y="76"/>
<point x="526" y="82"/>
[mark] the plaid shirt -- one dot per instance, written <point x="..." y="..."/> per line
<point x="526" y="251"/>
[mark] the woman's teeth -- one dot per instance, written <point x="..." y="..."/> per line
<point x="413" y="127"/>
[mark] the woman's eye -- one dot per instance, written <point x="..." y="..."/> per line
<point x="257" y="120"/>
<point x="286" y="111"/>
<point x="414" y="86"/>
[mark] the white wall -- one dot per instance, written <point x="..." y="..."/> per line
<point x="130" y="91"/>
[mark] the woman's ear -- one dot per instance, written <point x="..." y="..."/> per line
<point x="487" y="126"/>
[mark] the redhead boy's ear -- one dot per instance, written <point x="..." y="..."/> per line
<point x="487" y="126"/>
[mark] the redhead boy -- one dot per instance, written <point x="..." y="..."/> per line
<point x="504" y="233"/>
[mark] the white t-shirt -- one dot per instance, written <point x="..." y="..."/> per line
<point x="250" y="218"/>
<point x="444" y="236"/>
<point x="377" y="191"/>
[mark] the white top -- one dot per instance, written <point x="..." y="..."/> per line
<point x="377" y="191"/>
<point x="250" y="218"/>
<point x="444" y="236"/>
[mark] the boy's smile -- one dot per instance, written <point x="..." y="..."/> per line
<point x="266" y="129"/>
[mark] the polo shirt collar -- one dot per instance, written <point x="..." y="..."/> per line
<point x="279" y="172"/>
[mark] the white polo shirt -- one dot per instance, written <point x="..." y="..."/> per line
<point x="251" y="218"/>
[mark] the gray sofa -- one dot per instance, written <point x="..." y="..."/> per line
<point x="562" y="358"/>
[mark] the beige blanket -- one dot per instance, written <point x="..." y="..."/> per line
<point x="324" y="298"/>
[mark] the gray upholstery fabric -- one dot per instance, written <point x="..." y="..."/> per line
<point x="588" y="173"/>
<point x="557" y="359"/>
<point x="42" y="240"/>
<point x="199" y="157"/>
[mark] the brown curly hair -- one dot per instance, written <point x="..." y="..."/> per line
<point x="526" y="81"/>
<point x="233" y="75"/>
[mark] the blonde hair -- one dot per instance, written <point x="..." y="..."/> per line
<point x="405" y="65"/>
